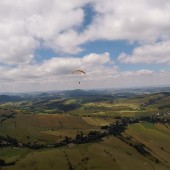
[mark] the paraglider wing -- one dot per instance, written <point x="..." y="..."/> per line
<point x="78" y="71"/>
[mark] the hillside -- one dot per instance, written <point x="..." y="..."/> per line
<point x="85" y="130"/>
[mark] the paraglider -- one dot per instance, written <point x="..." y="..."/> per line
<point x="80" y="74"/>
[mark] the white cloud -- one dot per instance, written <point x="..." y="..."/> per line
<point x="105" y="77"/>
<point x="26" y="23"/>
<point x="56" y="74"/>
<point x="55" y="24"/>
<point x="96" y="59"/>
<point x="144" y="78"/>
<point x="158" y="53"/>
<point x="17" y="49"/>
<point x="143" y="21"/>
<point x="55" y="67"/>
<point x="66" y="42"/>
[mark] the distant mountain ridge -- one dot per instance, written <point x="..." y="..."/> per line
<point x="80" y="93"/>
<point x="9" y="98"/>
<point x="126" y="92"/>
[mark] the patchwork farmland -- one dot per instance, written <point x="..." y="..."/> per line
<point x="129" y="132"/>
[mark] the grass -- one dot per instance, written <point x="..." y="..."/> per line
<point x="154" y="137"/>
<point x="44" y="128"/>
<point x="112" y="153"/>
<point x="10" y="154"/>
<point x="97" y="121"/>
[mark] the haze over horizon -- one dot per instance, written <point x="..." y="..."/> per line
<point x="118" y="44"/>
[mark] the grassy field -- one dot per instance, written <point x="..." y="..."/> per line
<point x="10" y="154"/>
<point x="45" y="128"/>
<point x="156" y="137"/>
<point x="110" y="153"/>
<point x="98" y="121"/>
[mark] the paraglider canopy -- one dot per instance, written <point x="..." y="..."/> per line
<point x="80" y="74"/>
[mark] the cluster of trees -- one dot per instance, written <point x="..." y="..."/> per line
<point x="140" y="148"/>
<point x="3" y="163"/>
<point x="150" y="119"/>
<point x="153" y="101"/>
<point x="33" y="145"/>
<point x="8" y="141"/>
<point x="60" y="105"/>
<point x="115" y="128"/>
<point x="80" y="138"/>
<point x="164" y="106"/>
<point x="93" y="136"/>
<point x="8" y="115"/>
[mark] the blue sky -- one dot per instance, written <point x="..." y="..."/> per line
<point x="113" y="41"/>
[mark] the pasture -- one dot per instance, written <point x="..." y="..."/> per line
<point x="44" y="128"/>
<point x="112" y="153"/>
<point x="154" y="136"/>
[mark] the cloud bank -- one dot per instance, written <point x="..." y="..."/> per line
<point x="157" y="53"/>
<point x="28" y="25"/>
